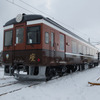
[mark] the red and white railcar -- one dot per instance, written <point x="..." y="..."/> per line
<point x="42" y="48"/>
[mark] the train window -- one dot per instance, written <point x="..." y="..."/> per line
<point x="91" y="52"/>
<point x="52" y="39"/>
<point x="33" y="35"/>
<point x="19" y="35"/>
<point x="84" y="49"/>
<point x="95" y="53"/>
<point x="74" y="48"/>
<point x="88" y="50"/>
<point x="80" y="48"/>
<point x="8" y="38"/>
<point x="61" y="42"/>
<point x="46" y="37"/>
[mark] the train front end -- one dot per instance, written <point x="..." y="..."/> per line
<point x="22" y="48"/>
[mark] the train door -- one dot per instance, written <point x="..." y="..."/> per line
<point x="62" y="48"/>
<point x="19" y="38"/>
<point x="52" y="45"/>
<point x="19" y="42"/>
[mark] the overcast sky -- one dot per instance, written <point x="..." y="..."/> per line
<point x="79" y="16"/>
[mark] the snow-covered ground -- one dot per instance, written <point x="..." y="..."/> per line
<point x="71" y="87"/>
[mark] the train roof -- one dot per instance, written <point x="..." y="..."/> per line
<point x="36" y="17"/>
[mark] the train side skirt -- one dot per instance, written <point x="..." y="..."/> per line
<point x="41" y="75"/>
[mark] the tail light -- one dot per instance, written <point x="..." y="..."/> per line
<point x="38" y="59"/>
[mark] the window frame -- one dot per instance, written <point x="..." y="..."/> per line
<point x="16" y="35"/>
<point x="74" y="47"/>
<point x="12" y="38"/>
<point x="52" y="42"/>
<point x="80" y="51"/>
<point x="88" y="51"/>
<point x="46" y="41"/>
<point x="84" y="50"/>
<point x="27" y="34"/>
<point x="61" y="43"/>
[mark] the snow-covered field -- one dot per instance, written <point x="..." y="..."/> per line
<point x="71" y="87"/>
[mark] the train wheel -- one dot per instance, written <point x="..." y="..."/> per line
<point x="72" y="68"/>
<point x="81" y="67"/>
<point x="64" y="69"/>
<point x="49" y="73"/>
<point x="91" y="65"/>
<point x="68" y="69"/>
<point x="96" y="64"/>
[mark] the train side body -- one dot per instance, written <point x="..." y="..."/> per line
<point x="37" y="41"/>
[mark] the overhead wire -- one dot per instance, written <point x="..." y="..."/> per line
<point x="44" y="13"/>
<point x="39" y="11"/>
<point x="54" y="18"/>
<point x="19" y="6"/>
<point x="35" y="8"/>
<point x="73" y="29"/>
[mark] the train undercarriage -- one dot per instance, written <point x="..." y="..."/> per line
<point x="44" y="73"/>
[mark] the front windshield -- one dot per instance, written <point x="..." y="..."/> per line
<point x="33" y="35"/>
<point x="19" y="35"/>
<point x="8" y="38"/>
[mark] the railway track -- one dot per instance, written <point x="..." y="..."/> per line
<point x="18" y="85"/>
<point x="5" y="78"/>
<point x="21" y="87"/>
<point x="14" y="87"/>
<point x="10" y="92"/>
<point x="8" y="84"/>
<point x="16" y="90"/>
<point x="7" y="81"/>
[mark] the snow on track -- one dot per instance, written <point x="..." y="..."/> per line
<point x="71" y="87"/>
<point x="10" y="85"/>
<point x="4" y="80"/>
<point x="15" y="87"/>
